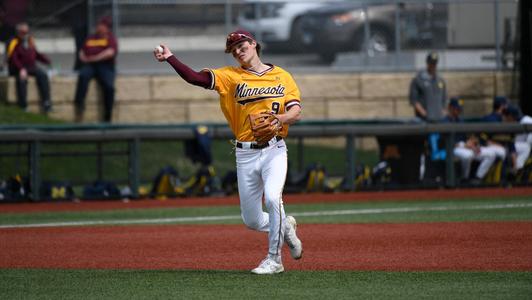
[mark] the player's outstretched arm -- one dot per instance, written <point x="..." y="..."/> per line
<point x="202" y="79"/>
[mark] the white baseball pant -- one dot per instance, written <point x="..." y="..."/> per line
<point x="500" y="151"/>
<point x="466" y="155"/>
<point x="523" y="152"/>
<point x="262" y="172"/>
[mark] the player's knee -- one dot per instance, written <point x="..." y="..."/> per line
<point x="490" y="156"/>
<point x="468" y="156"/>
<point x="271" y="200"/>
<point x="251" y="224"/>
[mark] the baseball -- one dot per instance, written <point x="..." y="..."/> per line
<point x="159" y="49"/>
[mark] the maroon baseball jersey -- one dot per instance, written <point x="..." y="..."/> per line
<point x="97" y="43"/>
<point x="24" y="54"/>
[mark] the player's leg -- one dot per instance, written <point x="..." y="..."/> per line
<point x="43" y="86"/>
<point x="523" y="152"/>
<point x="250" y="189"/>
<point x="500" y="151"/>
<point x="274" y="168"/>
<point x="106" y="77"/>
<point x="84" y="76"/>
<point x="487" y="157"/>
<point x="22" y="91"/>
<point x="272" y="171"/>
<point x="465" y="155"/>
<point x="282" y="227"/>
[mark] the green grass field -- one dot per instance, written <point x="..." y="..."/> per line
<point x="203" y="284"/>
<point x="171" y="284"/>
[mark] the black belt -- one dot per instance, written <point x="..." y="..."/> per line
<point x="257" y="146"/>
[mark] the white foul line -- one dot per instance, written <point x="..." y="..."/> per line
<point x="300" y="214"/>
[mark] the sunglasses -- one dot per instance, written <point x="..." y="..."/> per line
<point x="234" y="37"/>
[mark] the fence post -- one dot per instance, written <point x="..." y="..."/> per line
<point x="449" y="162"/>
<point x="367" y="33"/>
<point x="300" y="154"/>
<point x="99" y="160"/>
<point x="116" y="18"/>
<point x="498" y="53"/>
<point x="90" y="13"/>
<point x="34" y="168"/>
<point x="133" y="170"/>
<point x="228" y="24"/>
<point x="351" y="161"/>
<point x="397" y="33"/>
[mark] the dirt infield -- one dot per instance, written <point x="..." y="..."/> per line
<point x="288" y="199"/>
<point x="478" y="246"/>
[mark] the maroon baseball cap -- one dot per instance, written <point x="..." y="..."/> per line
<point x="238" y="36"/>
<point x="106" y="20"/>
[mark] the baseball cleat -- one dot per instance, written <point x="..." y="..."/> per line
<point x="291" y="239"/>
<point x="268" y="266"/>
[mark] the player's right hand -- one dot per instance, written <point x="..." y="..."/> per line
<point x="164" y="55"/>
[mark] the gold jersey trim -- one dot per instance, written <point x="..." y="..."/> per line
<point x="97" y="43"/>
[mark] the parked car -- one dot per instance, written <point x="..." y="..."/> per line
<point x="356" y="25"/>
<point x="275" y="22"/>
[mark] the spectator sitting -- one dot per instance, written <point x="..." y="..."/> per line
<point x="12" y="12"/>
<point x="522" y="142"/>
<point x="22" y="59"/>
<point x="98" y="56"/>
<point x="467" y="149"/>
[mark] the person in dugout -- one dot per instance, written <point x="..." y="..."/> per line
<point x="98" y="57"/>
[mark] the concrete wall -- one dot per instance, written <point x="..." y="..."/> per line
<point x="168" y="99"/>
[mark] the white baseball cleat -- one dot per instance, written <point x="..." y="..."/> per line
<point x="291" y="239"/>
<point x="268" y="266"/>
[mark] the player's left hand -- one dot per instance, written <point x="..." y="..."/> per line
<point x="264" y="126"/>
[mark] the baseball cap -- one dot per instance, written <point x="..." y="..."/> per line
<point x="513" y="111"/>
<point x="106" y="20"/>
<point x="456" y="103"/>
<point x="238" y="36"/>
<point x="499" y="101"/>
<point x="432" y="58"/>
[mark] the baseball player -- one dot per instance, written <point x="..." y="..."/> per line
<point x="246" y="91"/>
<point x="467" y="149"/>
<point x="523" y="141"/>
<point x="497" y="142"/>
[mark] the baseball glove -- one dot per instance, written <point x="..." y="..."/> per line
<point x="264" y="126"/>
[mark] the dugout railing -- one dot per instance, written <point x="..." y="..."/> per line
<point x="35" y="135"/>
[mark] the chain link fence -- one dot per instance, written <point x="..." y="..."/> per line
<point x="349" y="35"/>
<point x="371" y="35"/>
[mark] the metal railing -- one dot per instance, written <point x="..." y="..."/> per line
<point x="135" y="135"/>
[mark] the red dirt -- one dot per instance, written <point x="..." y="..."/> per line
<point x="478" y="246"/>
<point x="288" y="199"/>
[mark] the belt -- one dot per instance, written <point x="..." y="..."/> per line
<point x="254" y="145"/>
